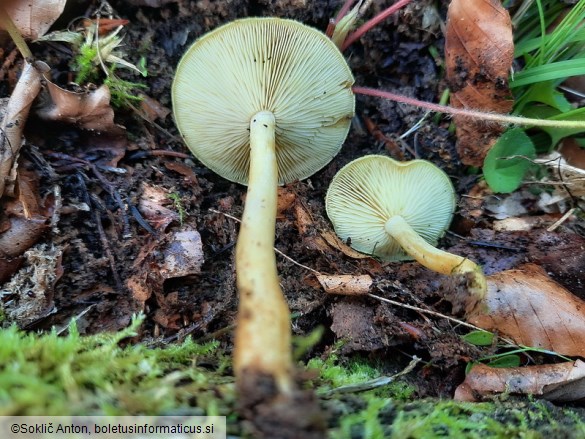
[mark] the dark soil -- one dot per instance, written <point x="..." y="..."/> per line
<point x="114" y="253"/>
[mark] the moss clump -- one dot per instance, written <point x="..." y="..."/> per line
<point x="393" y="411"/>
<point x="81" y="375"/>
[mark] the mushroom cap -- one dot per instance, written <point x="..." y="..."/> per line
<point x="369" y="191"/>
<point x="263" y="64"/>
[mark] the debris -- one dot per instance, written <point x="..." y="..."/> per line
<point x="530" y="308"/>
<point x="479" y="51"/>
<point x="563" y="382"/>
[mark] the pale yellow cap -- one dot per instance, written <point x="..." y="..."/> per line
<point x="255" y="64"/>
<point x="369" y="191"/>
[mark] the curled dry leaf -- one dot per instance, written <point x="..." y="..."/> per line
<point x="479" y="51"/>
<point x="178" y="254"/>
<point x="153" y="206"/>
<point x="90" y="110"/>
<point x="22" y="222"/>
<point x="533" y="310"/>
<point x="346" y="284"/>
<point x="33" y="18"/>
<point x="15" y="117"/>
<point x="562" y="382"/>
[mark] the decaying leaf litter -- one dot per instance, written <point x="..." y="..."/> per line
<point x="117" y="208"/>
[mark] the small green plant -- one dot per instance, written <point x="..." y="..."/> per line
<point x="508" y="357"/>
<point x="549" y="58"/>
<point x="98" y="57"/>
<point x="178" y="203"/>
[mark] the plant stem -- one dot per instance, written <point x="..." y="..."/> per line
<point x="434" y="259"/>
<point x="474" y="114"/>
<point x="373" y="22"/>
<point x="263" y="334"/>
<point x="342" y="12"/>
<point x="8" y="25"/>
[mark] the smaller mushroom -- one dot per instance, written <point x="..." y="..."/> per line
<point x="397" y="211"/>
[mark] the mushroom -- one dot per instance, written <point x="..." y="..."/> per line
<point x="263" y="102"/>
<point x="398" y="211"/>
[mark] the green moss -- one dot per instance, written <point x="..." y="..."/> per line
<point x="73" y="375"/>
<point x="392" y="411"/>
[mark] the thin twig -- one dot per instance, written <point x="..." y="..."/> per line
<point x="427" y="311"/>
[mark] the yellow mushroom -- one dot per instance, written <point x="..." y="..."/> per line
<point x="398" y="211"/>
<point x="262" y="102"/>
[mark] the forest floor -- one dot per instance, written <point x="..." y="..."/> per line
<point x="130" y="199"/>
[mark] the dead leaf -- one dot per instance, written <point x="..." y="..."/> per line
<point x="153" y="206"/>
<point x="479" y="52"/>
<point x="183" y="255"/>
<point x="178" y="254"/>
<point x="33" y="18"/>
<point x="333" y="240"/>
<point x="346" y="284"/>
<point x="564" y="382"/>
<point x="533" y="310"/>
<point x="152" y="109"/>
<point x="13" y="122"/>
<point x="90" y="110"/>
<point x="23" y="220"/>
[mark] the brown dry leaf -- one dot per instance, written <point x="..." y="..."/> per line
<point x="346" y="284"/>
<point x="479" y="51"/>
<point x="178" y="254"/>
<point x="333" y="240"/>
<point x="562" y="382"/>
<point x="90" y="110"/>
<point x="24" y="219"/>
<point x="14" y="119"/>
<point x="153" y="206"/>
<point x="533" y="310"/>
<point x="33" y="18"/>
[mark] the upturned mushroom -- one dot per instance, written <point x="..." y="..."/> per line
<point x="397" y="211"/>
<point x="263" y="102"/>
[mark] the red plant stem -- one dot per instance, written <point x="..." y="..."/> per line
<point x="494" y="117"/>
<point x="373" y="22"/>
<point x="333" y="22"/>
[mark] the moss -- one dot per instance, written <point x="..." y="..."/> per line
<point x="392" y="411"/>
<point x="50" y="374"/>
<point x="73" y="375"/>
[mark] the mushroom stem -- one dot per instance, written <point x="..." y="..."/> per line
<point x="263" y="334"/>
<point x="434" y="259"/>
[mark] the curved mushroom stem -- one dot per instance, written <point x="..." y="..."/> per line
<point x="434" y="259"/>
<point x="263" y="334"/>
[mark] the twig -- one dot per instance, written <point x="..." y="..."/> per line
<point x="564" y="218"/>
<point x="107" y="249"/>
<point x="427" y="311"/>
